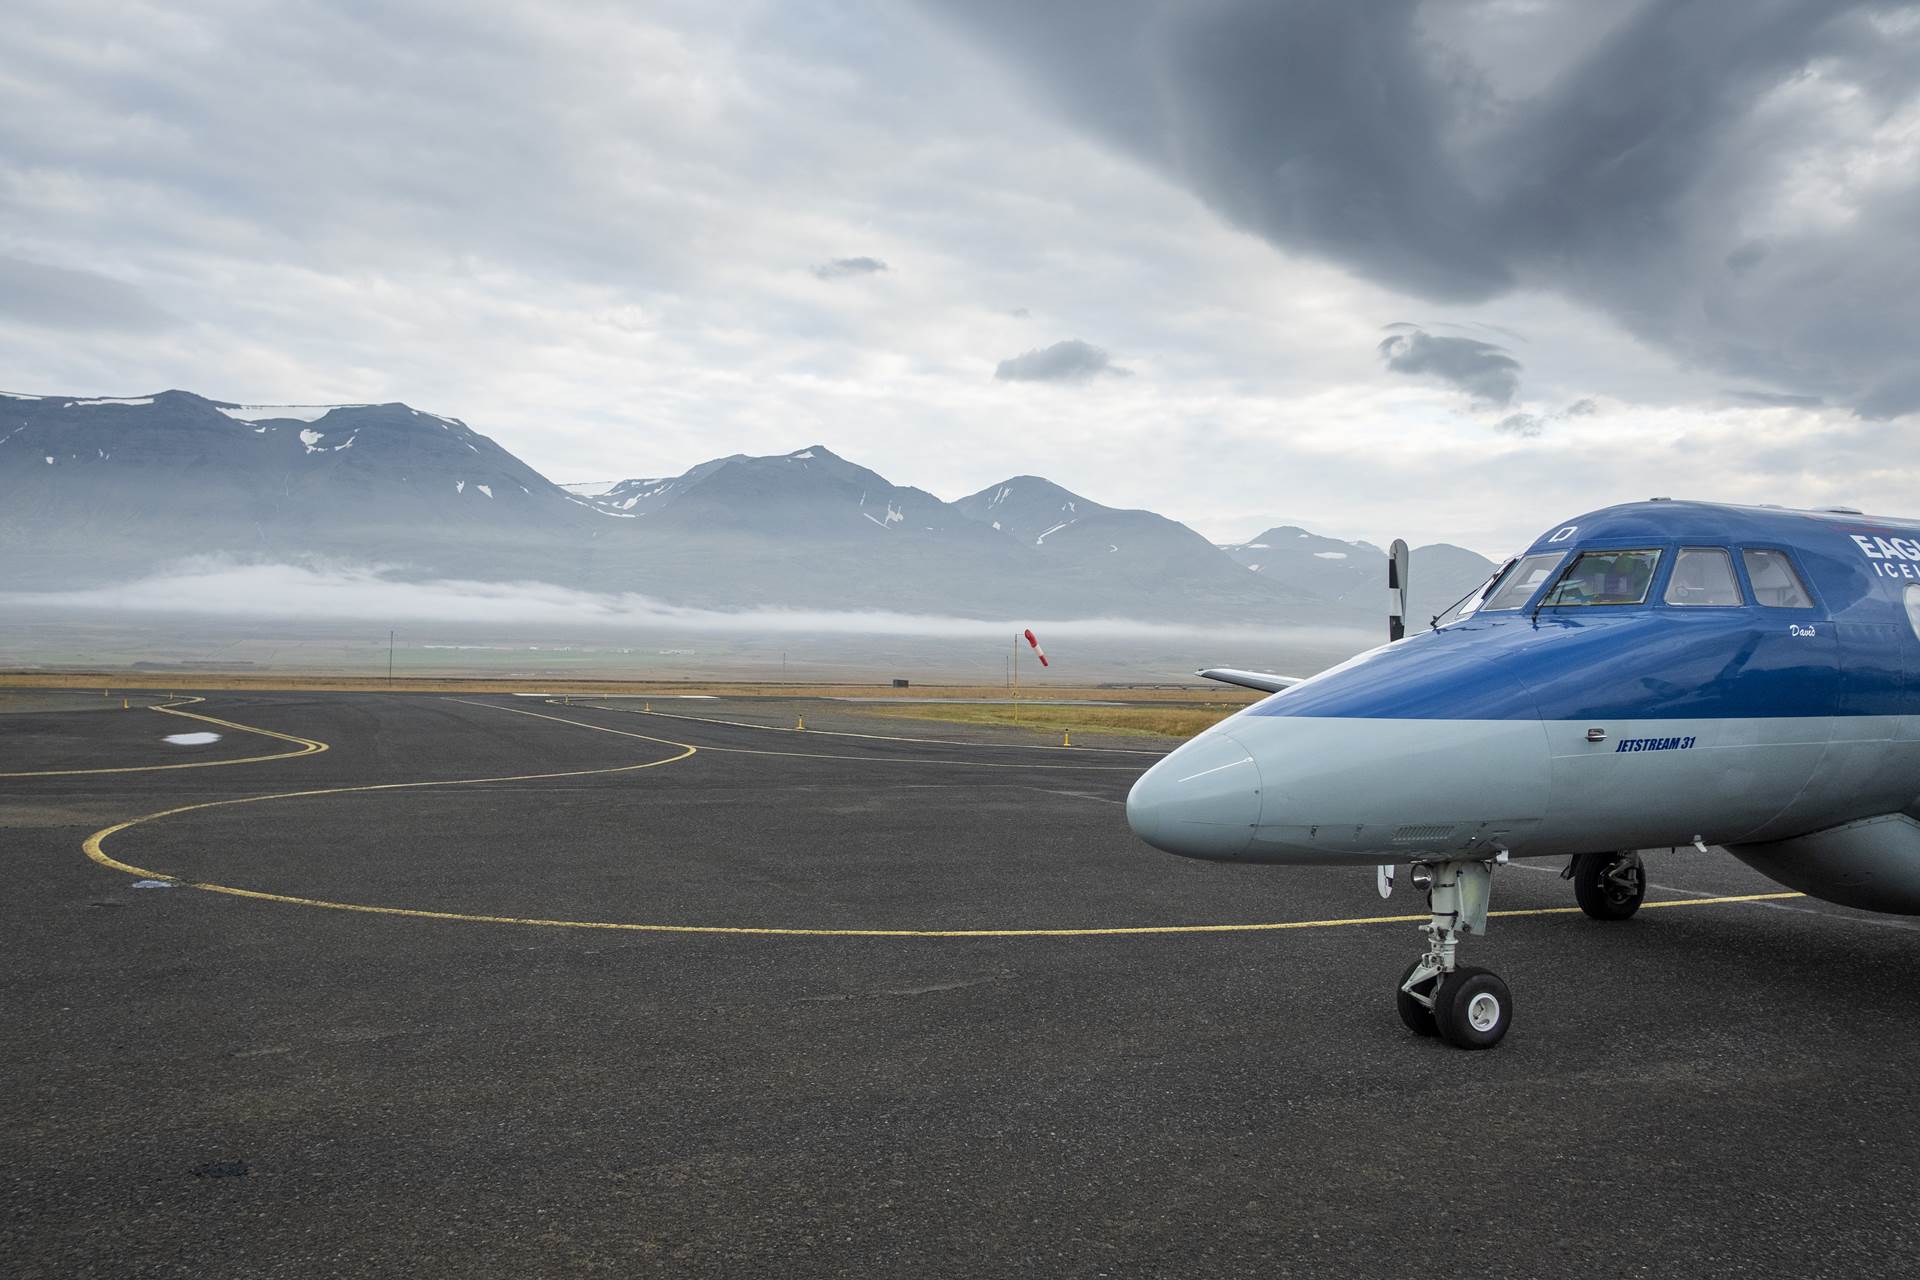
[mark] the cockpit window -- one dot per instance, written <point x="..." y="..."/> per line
<point x="1523" y="579"/>
<point x="1703" y="576"/>
<point x="1478" y="596"/>
<point x="1775" y="584"/>
<point x="1605" y="577"/>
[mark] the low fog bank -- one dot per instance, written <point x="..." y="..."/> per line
<point x="334" y="619"/>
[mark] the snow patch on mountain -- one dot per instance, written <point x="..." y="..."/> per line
<point x="894" y="516"/>
<point x="296" y="412"/>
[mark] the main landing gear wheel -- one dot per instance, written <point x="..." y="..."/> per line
<point x="1608" y="886"/>
<point x="1467" y="1008"/>
<point x="1472" y="1009"/>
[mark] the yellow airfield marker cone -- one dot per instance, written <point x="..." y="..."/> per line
<point x="800" y="723"/>
<point x="123" y="704"/>
<point x="1066" y="738"/>
<point x="647" y="707"/>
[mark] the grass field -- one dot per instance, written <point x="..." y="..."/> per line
<point x="1151" y="721"/>
<point x="1207" y="696"/>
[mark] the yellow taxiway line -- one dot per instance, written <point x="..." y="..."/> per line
<point x="877" y="737"/>
<point x="307" y="747"/>
<point x="821" y="755"/>
<point x="94" y="847"/>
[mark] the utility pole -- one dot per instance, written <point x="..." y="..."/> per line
<point x="389" y="658"/>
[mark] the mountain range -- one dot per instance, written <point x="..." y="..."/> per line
<point x="101" y="490"/>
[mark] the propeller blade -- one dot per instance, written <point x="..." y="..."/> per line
<point x="1398" y="562"/>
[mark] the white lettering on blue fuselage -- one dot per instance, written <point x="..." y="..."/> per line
<point x="1890" y="557"/>
<point x="1655" y="744"/>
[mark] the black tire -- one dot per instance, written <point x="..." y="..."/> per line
<point x="1599" y="895"/>
<point x="1472" y="1009"/>
<point x="1418" y="1017"/>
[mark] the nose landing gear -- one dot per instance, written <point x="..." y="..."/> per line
<point x="1466" y="1007"/>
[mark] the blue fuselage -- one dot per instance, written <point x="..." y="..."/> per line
<point x="1565" y="722"/>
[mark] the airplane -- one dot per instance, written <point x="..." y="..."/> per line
<point x="1650" y="675"/>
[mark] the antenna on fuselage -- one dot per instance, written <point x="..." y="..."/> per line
<point x="1399" y="559"/>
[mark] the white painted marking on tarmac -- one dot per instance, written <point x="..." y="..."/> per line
<point x="192" y="739"/>
<point x="1077" y="795"/>
<point x="1664" y="888"/>
<point x="1876" y="921"/>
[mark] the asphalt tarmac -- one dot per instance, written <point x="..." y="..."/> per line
<point x="497" y="987"/>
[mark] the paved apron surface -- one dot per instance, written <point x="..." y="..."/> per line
<point x="457" y="1028"/>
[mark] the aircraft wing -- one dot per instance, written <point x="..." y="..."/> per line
<point x="1251" y="679"/>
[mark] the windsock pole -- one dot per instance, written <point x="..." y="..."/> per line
<point x="1016" y="677"/>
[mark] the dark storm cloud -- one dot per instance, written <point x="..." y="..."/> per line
<point x="1726" y="178"/>
<point x="1775" y="399"/>
<point x="1481" y="369"/>
<point x="839" y="268"/>
<point x="1897" y="395"/>
<point x="1069" y="361"/>
<point x="59" y="298"/>
<point x="1531" y="426"/>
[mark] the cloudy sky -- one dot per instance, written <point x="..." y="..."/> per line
<point x="1447" y="270"/>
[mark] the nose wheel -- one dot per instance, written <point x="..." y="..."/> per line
<point x="1468" y="1008"/>
<point x="1472" y="1009"/>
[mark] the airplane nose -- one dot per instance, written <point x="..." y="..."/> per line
<point x="1203" y="801"/>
